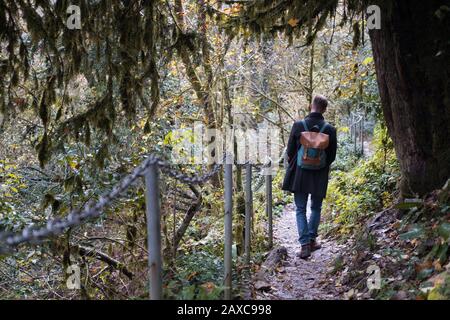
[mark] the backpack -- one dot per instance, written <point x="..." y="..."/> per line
<point x="312" y="155"/>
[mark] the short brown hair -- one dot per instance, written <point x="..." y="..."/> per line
<point x="320" y="102"/>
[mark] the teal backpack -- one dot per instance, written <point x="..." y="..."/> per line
<point x="312" y="155"/>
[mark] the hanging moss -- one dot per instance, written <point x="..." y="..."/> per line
<point x="102" y="155"/>
<point x="87" y="134"/>
<point x="270" y="16"/>
<point x="117" y="49"/>
<point x="356" y="35"/>
<point x="44" y="113"/>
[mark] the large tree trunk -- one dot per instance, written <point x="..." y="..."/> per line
<point x="412" y="58"/>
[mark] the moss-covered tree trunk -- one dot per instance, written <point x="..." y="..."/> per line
<point x="412" y="58"/>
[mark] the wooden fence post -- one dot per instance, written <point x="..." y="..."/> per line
<point x="248" y="211"/>
<point x="269" y="206"/>
<point x="228" y="228"/>
<point x="153" y="232"/>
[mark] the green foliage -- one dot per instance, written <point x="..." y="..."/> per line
<point x="115" y="66"/>
<point x="280" y="197"/>
<point x="295" y="18"/>
<point x="365" y="189"/>
<point x="425" y="230"/>
<point x="444" y="230"/>
<point x="199" y="276"/>
<point x="345" y="157"/>
<point x="11" y="184"/>
<point x="413" y="254"/>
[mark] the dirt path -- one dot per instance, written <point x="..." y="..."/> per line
<point x="297" y="278"/>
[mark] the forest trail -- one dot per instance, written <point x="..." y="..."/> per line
<point x="297" y="279"/>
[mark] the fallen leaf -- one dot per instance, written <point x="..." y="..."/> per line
<point x="422" y="266"/>
<point x="437" y="266"/>
<point x="293" y="22"/>
<point x="209" y="287"/>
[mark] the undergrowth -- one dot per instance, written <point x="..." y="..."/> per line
<point x="368" y="187"/>
<point x="408" y="239"/>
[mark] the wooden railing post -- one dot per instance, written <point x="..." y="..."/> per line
<point x="153" y="232"/>
<point x="269" y="206"/>
<point x="228" y="229"/>
<point x="248" y="211"/>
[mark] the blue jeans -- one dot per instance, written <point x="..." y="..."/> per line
<point x="307" y="230"/>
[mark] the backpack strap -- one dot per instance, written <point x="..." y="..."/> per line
<point x="325" y="125"/>
<point x="304" y="125"/>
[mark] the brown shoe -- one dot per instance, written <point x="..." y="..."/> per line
<point x="306" y="251"/>
<point x="315" y="245"/>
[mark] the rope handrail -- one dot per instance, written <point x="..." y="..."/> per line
<point x="149" y="170"/>
<point x="35" y="234"/>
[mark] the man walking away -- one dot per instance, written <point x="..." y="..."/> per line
<point x="311" y="150"/>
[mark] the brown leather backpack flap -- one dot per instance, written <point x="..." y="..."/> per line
<point x="315" y="140"/>
<point x="311" y="161"/>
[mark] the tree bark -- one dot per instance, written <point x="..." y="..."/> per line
<point x="412" y="55"/>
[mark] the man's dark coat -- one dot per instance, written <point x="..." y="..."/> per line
<point x="314" y="182"/>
